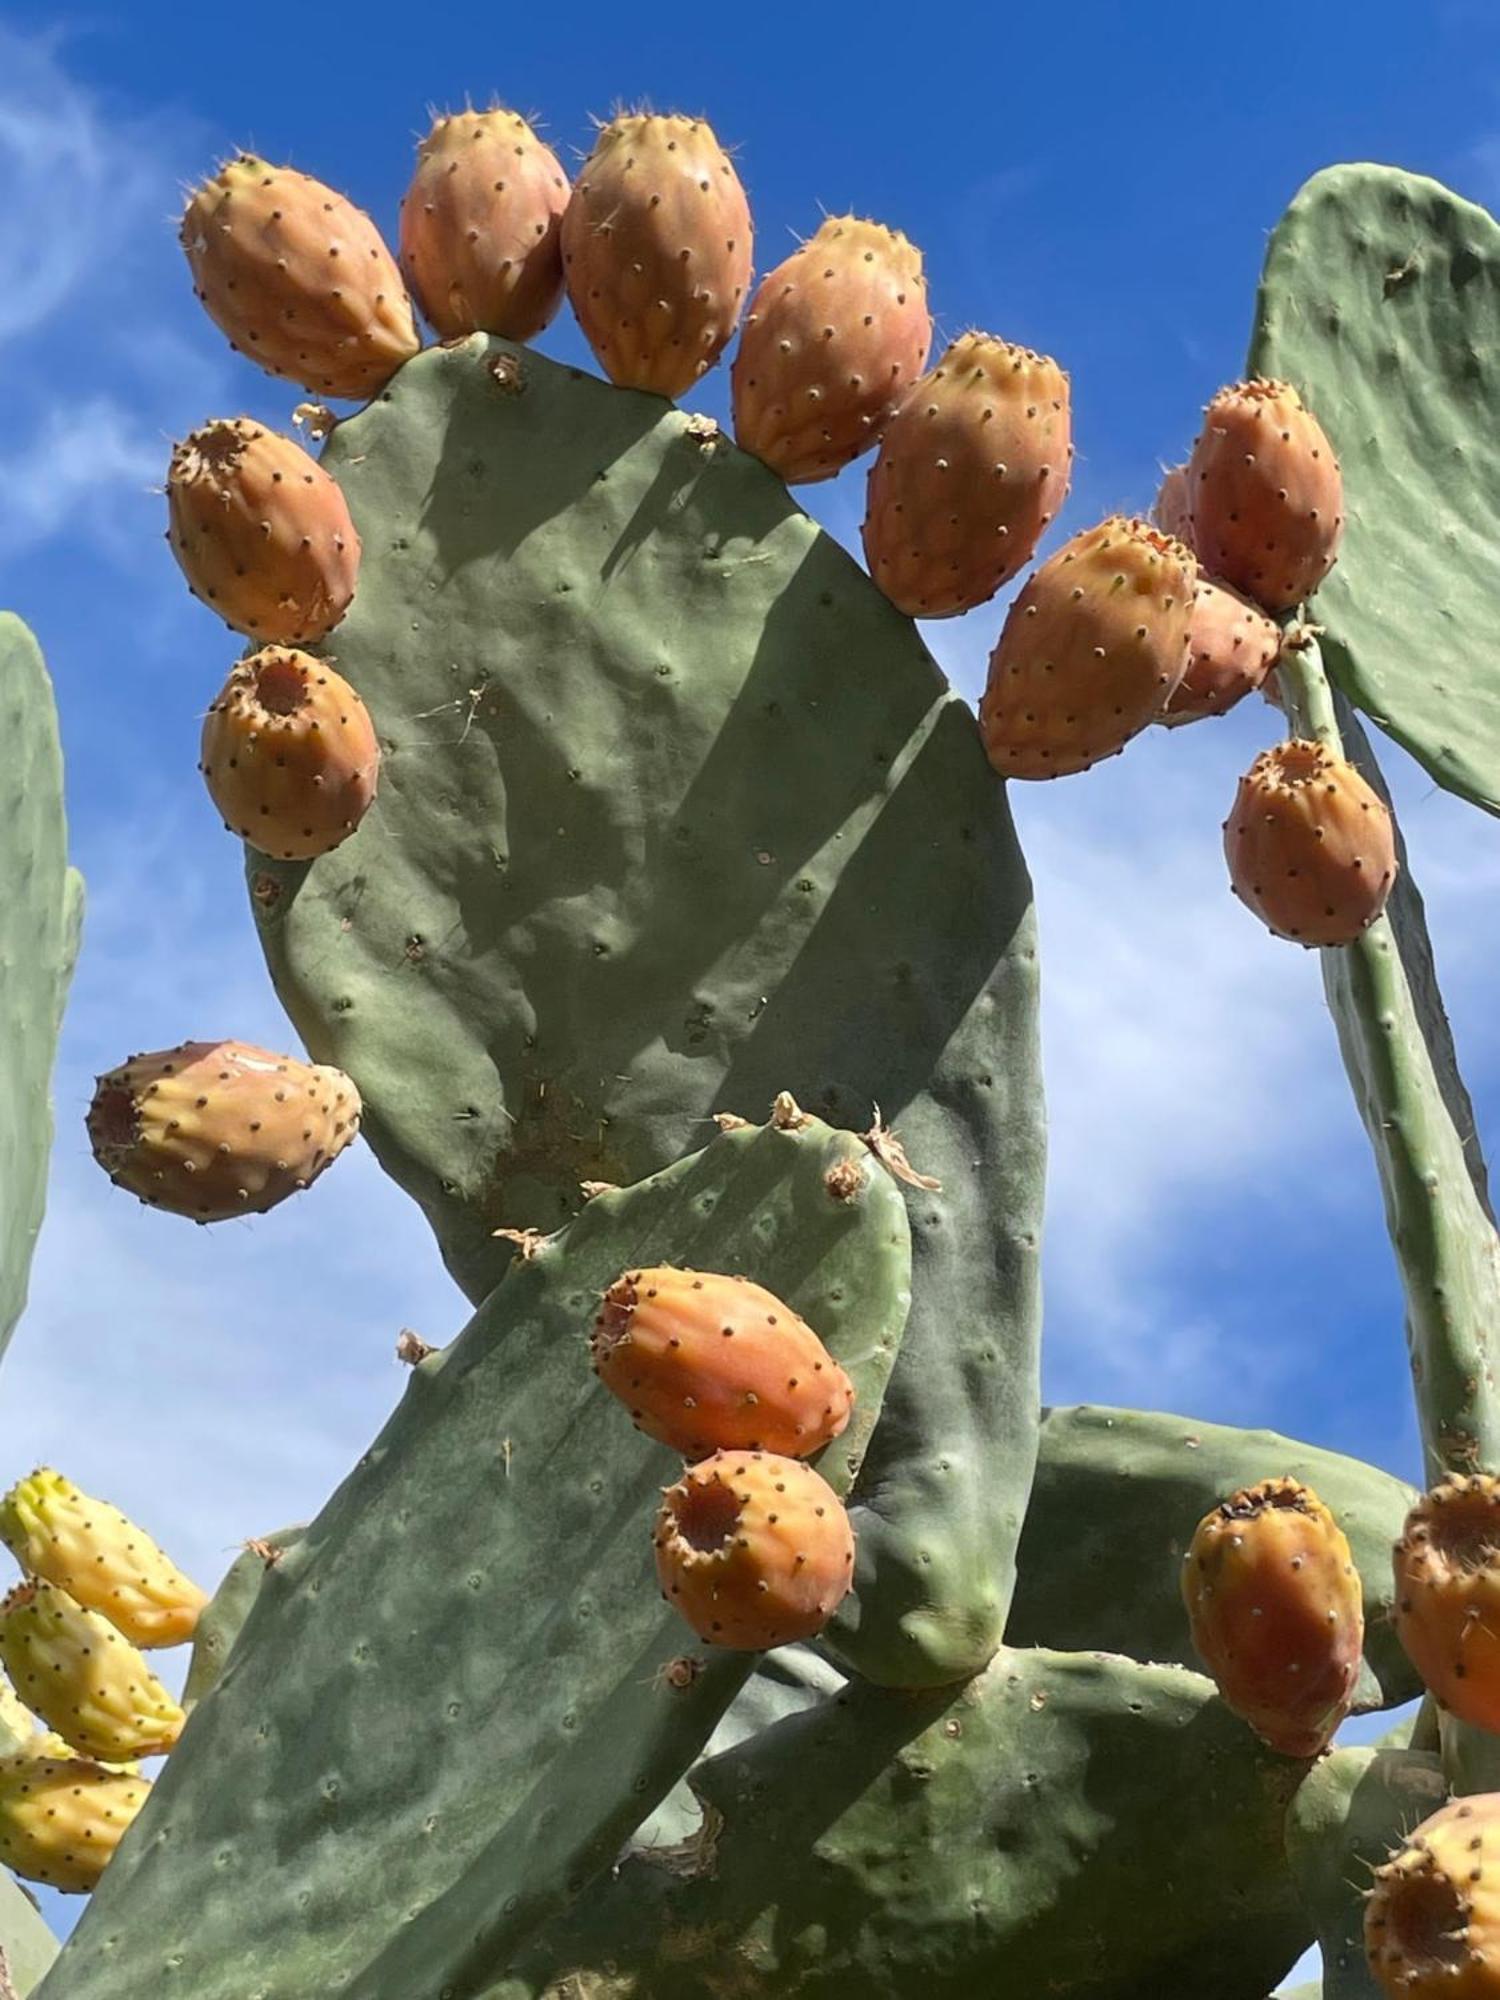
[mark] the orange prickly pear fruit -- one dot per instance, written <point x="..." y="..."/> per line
<point x="1277" y="1612"/>
<point x="214" y="1129"/>
<point x="61" y="1818"/>
<point x="83" y="1678"/>
<point x="298" y="278"/>
<point x="753" y="1549"/>
<point x="705" y="1362"/>
<point x="100" y="1558"/>
<point x="656" y="247"/>
<point x="1311" y="848"/>
<point x="835" y="337"/>
<point x="971" y="470"/>
<point x="1173" y="512"/>
<point x="1232" y="646"/>
<point x="261" y="532"/>
<point x="1266" y="494"/>
<point x="289" y="754"/>
<point x="1447" y="1568"/>
<point x="1432" y="1921"/>
<point x="1091" y="651"/>
<point x="481" y="245"/>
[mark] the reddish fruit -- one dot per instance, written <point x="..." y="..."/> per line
<point x="1311" y="848"/>
<point x="289" y="754"/>
<point x="1232" y="646"/>
<point x="971" y="470"/>
<point x="1267" y="495"/>
<point x="481" y="243"/>
<point x="1277" y="1613"/>
<point x="298" y="278"/>
<point x="1432" y="1921"/>
<point x="214" y="1129"/>
<point x="1447" y="1566"/>
<point x="1091" y="651"/>
<point x="835" y="338"/>
<point x="754" y="1550"/>
<point x="705" y="1362"/>
<point x="261" y="532"/>
<point x="1173" y="513"/>
<point x="656" y="246"/>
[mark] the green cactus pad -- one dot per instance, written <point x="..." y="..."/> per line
<point x="27" y="1945"/>
<point x="41" y="908"/>
<point x="1118" y="1494"/>
<point x="1380" y="302"/>
<point x="1354" y="1809"/>
<point x="449" y="1704"/>
<point x="1077" y="1825"/>
<point x="677" y="811"/>
<point x="222" y="1617"/>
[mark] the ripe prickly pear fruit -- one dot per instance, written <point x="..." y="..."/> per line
<point x="835" y="338"/>
<point x="656" y="247"/>
<point x="1447" y="1569"/>
<point x="80" y="1675"/>
<point x="100" y="1558"/>
<point x="1311" y="848"/>
<point x="480" y="241"/>
<point x="1267" y="495"/>
<point x="971" y="470"/>
<point x="1277" y="1613"/>
<point x="1232" y="646"/>
<point x="261" y="532"/>
<point x="705" y="1362"/>
<point x="1173" y="512"/>
<point x="753" y="1549"/>
<point x="1432" y="1920"/>
<point x="289" y="754"/>
<point x="1091" y="651"/>
<point x="19" y="1729"/>
<point x="214" y="1129"/>
<point x="298" y="278"/>
<point x="61" y="1818"/>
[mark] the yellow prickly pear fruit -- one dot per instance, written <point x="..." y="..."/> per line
<point x="1447" y="1569"/>
<point x="656" y="246"/>
<point x="210" y="1130"/>
<point x="481" y="244"/>
<point x="261" y="532"/>
<point x="100" y="1558"/>
<point x="1310" y="846"/>
<point x="77" y="1672"/>
<point x="1232" y="646"/>
<point x="19" y="1729"/>
<point x="289" y="754"/>
<point x="1277" y="1612"/>
<point x="1091" y="650"/>
<point x="971" y="470"/>
<point x="835" y="338"/>
<point x="1432" y="1921"/>
<point x="298" y="278"/>
<point x="62" y="1818"/>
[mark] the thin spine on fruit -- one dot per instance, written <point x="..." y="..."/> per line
<point x="1447" y="1575"/>
<point x="1432" y="1921"/>
<point x="1310" y="845"/>
<point x="83" y="1678"/>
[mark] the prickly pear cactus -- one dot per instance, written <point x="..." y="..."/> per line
<point x="40" y="912"/>
<point x="27" y="1946"/>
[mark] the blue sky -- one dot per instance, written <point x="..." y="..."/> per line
<point x="1096" y="181"/>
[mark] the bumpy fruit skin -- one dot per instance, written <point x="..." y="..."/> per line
<point x="1232" y="646"/>
<point x="1447" y="1570"/>
<point x="210" y="1130"/>
<point x="1277" y="1614"/>
<point x="298" y="278"/>
<point x="289" y="754"/>
<point x="705" y="1362"/>
<point x="261" y="532"/>
<point x="1432" y="1921"/>
<point x="656" y="246"/>
<point x="62" y="1818"/>
<point x="1173" y="512"/>
<point x="481" y="246"/>
<point x="100" y="1558"/>
<point x="835" y="338"/>
<point x="1091" y="651"/>
<point x="1310" y="846"/>
<point x="83" y="1678"/>
<point x="1266" y="493"/>
<point x="753" y="1549"/>
<point x="971" y="470"/>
